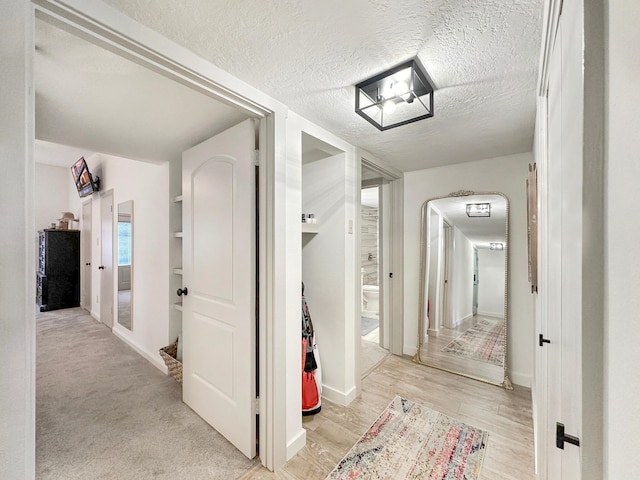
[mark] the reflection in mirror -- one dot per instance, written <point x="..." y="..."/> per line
<point x="463" y="286"/>
<point x="125" y="263"/>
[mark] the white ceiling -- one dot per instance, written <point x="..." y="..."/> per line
<point x="479" y="230"/>
<point x="482" y="56"/>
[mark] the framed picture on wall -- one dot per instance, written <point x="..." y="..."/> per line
<point x="532" y="225"/>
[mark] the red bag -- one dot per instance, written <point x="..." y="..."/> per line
<point x="309" y="391"/>
<point x="310" y="396"/>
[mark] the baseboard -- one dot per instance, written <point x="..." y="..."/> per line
<point x="491" y="314"/>
<point x="520" y="379"/>
<point x="409" y="350"/>
<point x="338" y="397"/>
<point x="155" y="359"/>
<point x="297" y="444"/>
<point x="462" y="320"/>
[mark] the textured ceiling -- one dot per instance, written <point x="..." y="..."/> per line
<point x="481" y="54"/>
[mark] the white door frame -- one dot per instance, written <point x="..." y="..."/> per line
<point x="86" y="248"/>
<point x="395" y="295"/>
<point x="112" y="30"/>
<point x="107" y="276"/>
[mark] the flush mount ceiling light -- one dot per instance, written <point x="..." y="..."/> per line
<point x="478" y="209"/>
<point x="496" y="246"/>
<point x="396" y="97"/>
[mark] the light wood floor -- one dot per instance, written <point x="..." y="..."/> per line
<point x="431" y="354"/>
<point x="506" y="415"/>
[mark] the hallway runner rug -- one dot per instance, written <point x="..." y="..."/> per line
<point x="484" y="341"/>
<point x="411" y="441"/>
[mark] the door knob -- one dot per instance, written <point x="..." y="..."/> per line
<point x="182" y="291"/>
<point x="101" y="267"/>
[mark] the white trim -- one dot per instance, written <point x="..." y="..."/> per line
<point x="336" y="396"/>
<point x="296" y="444"/>
<point x="396" y="338"/>
<point x="549" y="29"/>
<point x="395" y="296"/>
<point x="521" y="379"/>
<point x="411" y="349"/>
<point x="153" y="358"/>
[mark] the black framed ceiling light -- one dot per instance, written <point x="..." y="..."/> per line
<point x="396" y="97"/>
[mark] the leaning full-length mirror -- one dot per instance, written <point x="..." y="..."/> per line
<point x="463" y="285"/>
<point x="125" y="263"/>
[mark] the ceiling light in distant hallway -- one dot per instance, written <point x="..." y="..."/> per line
<point x="395" y="97"/>
<point x="478" y="209"/>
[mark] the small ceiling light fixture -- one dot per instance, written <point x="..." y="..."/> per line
<point x="496" y="246"/>
<point x="478" y="209"/>
<point x="396" y="97"/>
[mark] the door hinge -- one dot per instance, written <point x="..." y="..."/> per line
<point x="561" y="438"/>
<point x="256" y="406"/>
<point x="256" y="158"/>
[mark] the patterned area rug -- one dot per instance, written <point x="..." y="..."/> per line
<point x="411" y="441"/>
<point x="484" y="341"/>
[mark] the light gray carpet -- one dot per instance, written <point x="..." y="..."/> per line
<point x="104" y="412"/>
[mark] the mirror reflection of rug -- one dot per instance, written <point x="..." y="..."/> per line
<point x="409" y="440"/>
<point x="484" y="341"/>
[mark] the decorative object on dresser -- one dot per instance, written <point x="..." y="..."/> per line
<point x="58" y="278"/>
<point x="65" y="220"/>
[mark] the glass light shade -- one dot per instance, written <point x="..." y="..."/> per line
<point x="406" y="86"/>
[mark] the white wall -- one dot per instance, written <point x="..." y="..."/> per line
<point x="350" y="269"/>
<point x="622" y="256"/>
<point x="17" y="243"/>
<point x="147" y="185"/>
<point x="505" y="175"/>
<point x="52" y="194"/>
<point x="461" y="278"/>
<point x="491" y="282"/>
<point x="323" y="260"/>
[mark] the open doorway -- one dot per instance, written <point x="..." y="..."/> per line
<point x="55" y="46"/>
<point x="372" y="326"/>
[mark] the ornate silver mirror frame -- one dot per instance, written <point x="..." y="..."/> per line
<point x="453" y="349"/>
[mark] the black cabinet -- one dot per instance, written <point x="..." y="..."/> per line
<point x="58" y="280"/>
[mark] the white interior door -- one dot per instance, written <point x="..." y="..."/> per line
<point x="86" y="255"/>
<point x="106" y="264"/>
<point x="564" y="258"/>
<point x="219" y="271"/>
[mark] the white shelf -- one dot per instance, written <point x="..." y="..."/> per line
<point x="178" y="306"/>
<point x="178" y="234"/>
<point x="311" y="228"/>
<point x="177" y="271"/>
<point x="178" y="199"/>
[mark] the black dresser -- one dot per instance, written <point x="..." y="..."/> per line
<point x="58" y="280"/>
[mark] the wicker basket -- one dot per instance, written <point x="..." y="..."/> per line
<point x="168" y="354"/>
